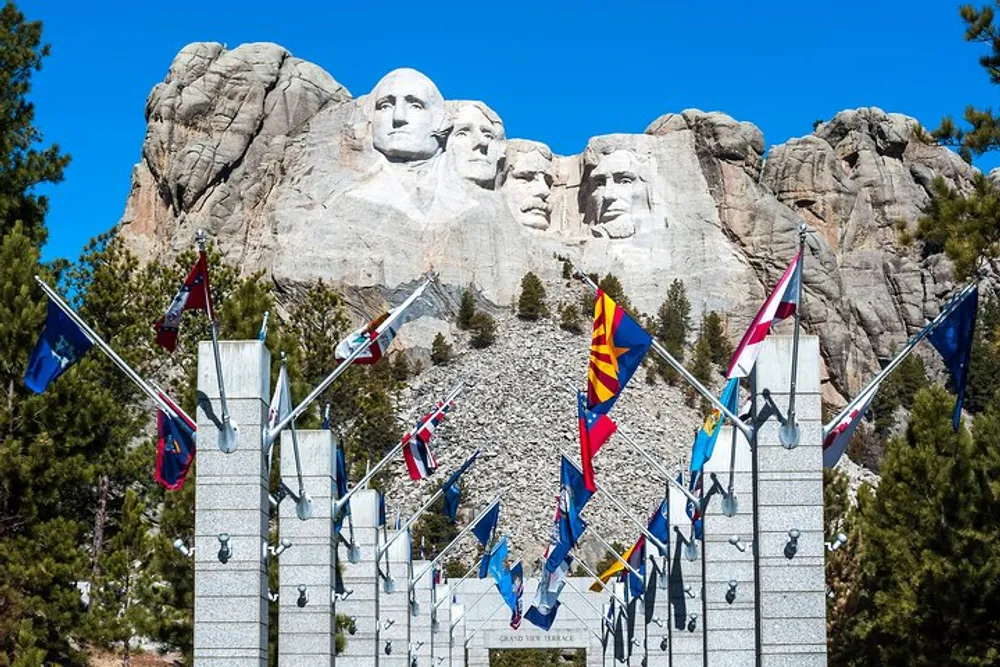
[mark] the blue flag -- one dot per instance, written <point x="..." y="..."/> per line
<point x="704" y="442"/>
<point x="659" y="523"/>
<point x="546" y="603"/>
<point x="569" y="525"/>
<point x="381" y="509"/>
<point x="341" y="490"/>
<point x="501" y="574"/>
<point x="453" y="490"/>
<point x="952" y="338"/>
<point x="484" y="528"/>
<point x="61" y="345"/>
<point x="175" y="449"/>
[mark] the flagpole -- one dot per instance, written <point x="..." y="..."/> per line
<point x="603" y="584"/>
<point x="303" y="506"/>
<point x="436" y="602"/>
<point x="589" y="626"/>
<point x="583" y="595"/>
<point x="229" y="433"/>
<point x="624" y="510"/>
<point x="611" y="550"/>
<point x="683" y="372"/>
<point x="621" y="430"/>
<point x="346" y="363"/>
<point x="339" y="503"/>
<point x="145" y="387"/>
<point x="900" y="356"/>
<point x="789" y="433"/>
<point x="458" y="538"/>
<point x="482" y="625"/>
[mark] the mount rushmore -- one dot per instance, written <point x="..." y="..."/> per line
<point x="291" y="174"/>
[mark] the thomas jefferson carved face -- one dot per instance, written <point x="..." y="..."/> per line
<point x="619" y="195"/>
<point x="528" y="183"/>
<point x="408" y="116"/>
<point x="475" y="144"/>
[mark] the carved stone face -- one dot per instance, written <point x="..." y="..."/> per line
<point x="408" y="112"/>
<point x="527" y="188"/>
<point x="619" y="196"/>
<point x="475" y="144"/>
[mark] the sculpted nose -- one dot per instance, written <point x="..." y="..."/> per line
<point x="539" y="188"/>
<point x="399" y="115"/>
<point x="480" y="142"/>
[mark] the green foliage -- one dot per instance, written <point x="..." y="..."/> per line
<point x="702" y="369"/>
<point x="587" y="299"/>
<point x="843" y="566"/>
<point x="23" y="165"/>
<point x="455" y="569"/>
<point x="569" y="318"/>
<point x="898" y="390"/>
<point x="484" y="330"/>
<point x="538" y="657"/>
<point x="966" y="228"/>
<point x="984" y="364"/>
<point x="673" y="321"/>
<point x="929" y="591"/>
<point x="343" y="624"/>
<point x="466" y="311"/>
<point x="433" y="531"/>
<point x="567" y="269"/>
<point x="531" y="304"/>
<point x="609" y="559"/>
<point x="441" y="351"/>
<point x="613" y="288"/>
<point x="712" y="331"/>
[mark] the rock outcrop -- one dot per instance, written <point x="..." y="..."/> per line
<point x="290" y="174"/>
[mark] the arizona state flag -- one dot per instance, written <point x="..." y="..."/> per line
<point x="617" y="347"/>
<point x="193" y="295"/>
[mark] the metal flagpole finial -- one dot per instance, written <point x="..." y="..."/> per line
<point x="200" y="239"/>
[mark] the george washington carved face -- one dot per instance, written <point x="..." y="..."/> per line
<point x="408" y="116"/>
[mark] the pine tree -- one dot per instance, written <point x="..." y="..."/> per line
<point x="531" y="304"/>
<point x="843" y="566"/>
<point x="433" y="531"/>
<point x="701" y="368"/>
<point x="613" y="288"/>
<point x="569" y="318"/>
<point x="930" y="584"/>
<point x="466" y="311"/>
<point x="23" y="165"/>
<point x="712" y="330"/>
<point x="673" y="320"/>
<point x="484" y="330"/>
<point x="441" y="351"/>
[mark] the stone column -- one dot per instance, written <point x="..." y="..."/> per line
<point x="395" y="607"/>
<point x="306" y="634"/>
<point x="230" y="599"/>
<point x="420" y="625"/>
<point x="729" y="613"/>
<point x="359" y="581"/>
<point x="686" y="646"/>
<point x="790" y="496"/>
<point x="658" y="624"/>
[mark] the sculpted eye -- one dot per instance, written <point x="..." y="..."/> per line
<point x="488" y="135"/>
<point x="461" y="133"/>
<point x="416" y="105"/>
<point x="383" y="104"/>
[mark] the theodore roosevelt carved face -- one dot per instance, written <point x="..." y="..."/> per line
<point x="409" y="120"/>
<point x="528" y="182"/>
<point x="476" y="143"/>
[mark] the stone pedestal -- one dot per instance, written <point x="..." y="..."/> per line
<point x="230" y="605"/>
<point x="790" y="496"/>
<point x="359" y="581"/>
<point x="686" y="644"/>
<point x="306" y="633"/>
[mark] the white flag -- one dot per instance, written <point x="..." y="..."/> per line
<point x="839" y="436"/>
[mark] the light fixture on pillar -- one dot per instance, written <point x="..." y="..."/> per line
<point x="735" y="541"/>
<point x="837" y="543"/>
<point x="352" y="627"/>
<point x="689" y="591"/>
<point x="657" y="621"/>
<point x="664" y="644"/>
<point x="414" y="607"/>
<point x="353" y="553"/>
<point x="303" y="598"/>
<point x="183" y="548"/>
<point x="731" y="593"/>
<point x="281" y="548"/>
<point x="389" y="584"/>
<point x="272" y="596"/>
<point x="414" y="663"/>
<point x="730" y="503"/>
<point x="692" y="622"/>
<point x="225" y="551"/>
<point x="690" y="548"/>
<point x="304" y="507"/>
<point x="388" y="647"/>
<point x="388" y="624"/>
<point x="792" y="547"/>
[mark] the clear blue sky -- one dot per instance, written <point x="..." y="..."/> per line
<point x="558" y="72"/>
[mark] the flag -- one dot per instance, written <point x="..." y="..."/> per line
<point x="952" y="338"/>
<point x="380" y="519"/>
<point x="61" y="345"/>
<point x="636" y="557"/>
<point x="617" y="347"/>
<point x="175" y="448"/>
<point x="609" y="623"/>
<point x="620" y="655"/>
<point x="341" y="490"/>
<point x="483" y="529"/>
<point x="659" y="523"/>
<point x="595" y="429"/>
<point x="546" y="603"/>
<point x="194" y="294"/>
<point x="453" y="490"/>
<point x="500" y="572"/>
<point x="781" y="304"/>
<point x="420" y="461"/>
<point x="281" y="401"/>
<point x="617" y="567"/>
<point x="517" y="576"/>
<point x="836" y="441"/>
<point x="696" y="487"/>
<point x="360" y="336"/>
<point x="630" y="614"/>
<point x="569" y="525"/>
<point x="704" y="442"/>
